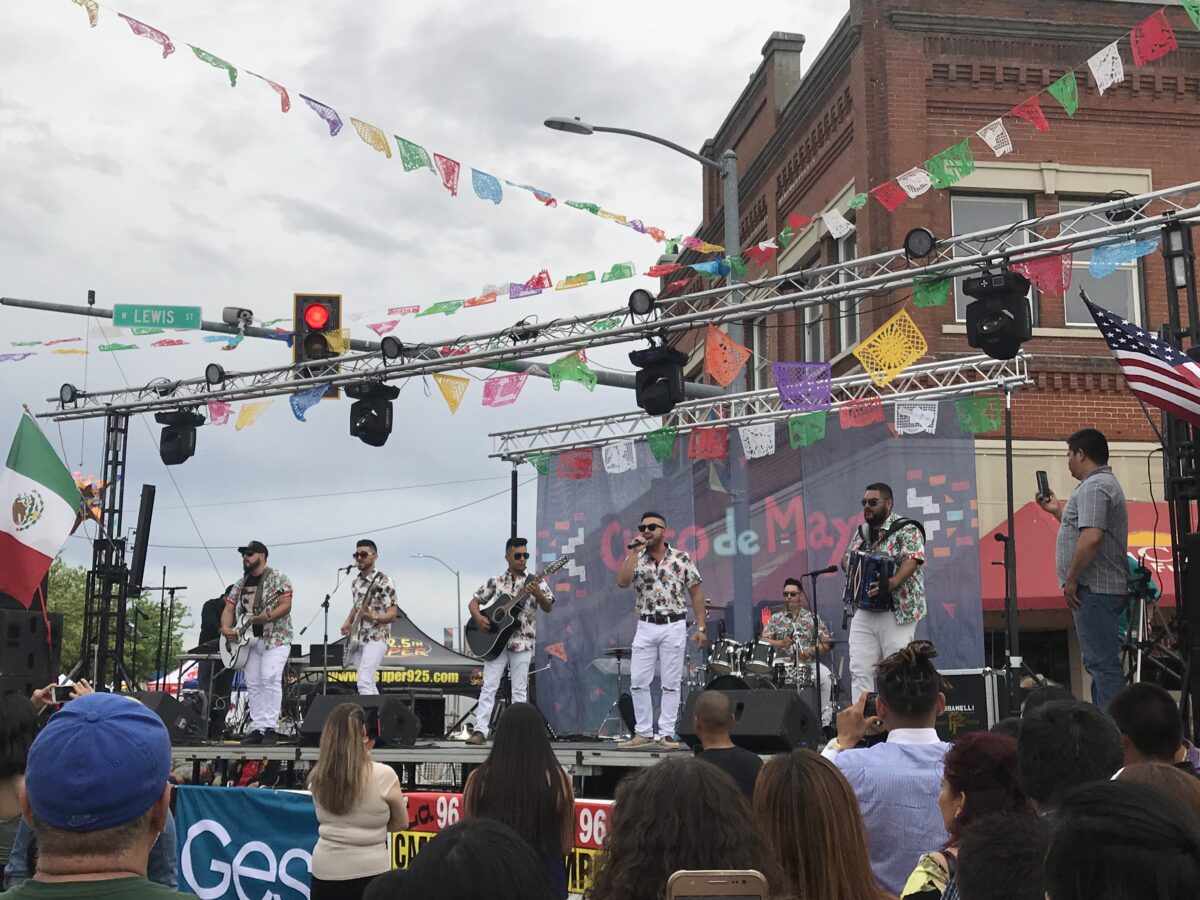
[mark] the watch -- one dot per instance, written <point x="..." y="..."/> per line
<point x="701" y="629"/>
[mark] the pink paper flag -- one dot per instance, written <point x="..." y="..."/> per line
<point x="541" y="280"/>
<point x="481" y="300"/>
<point x="663" y="270"/>
<point x="219" y="412"/>
<point x="144" y="30"/>
<point x="1031" y="111"/>
<point x="382" y="328"/>
<point x="403" y="310"/>
<point x="168" y="342"/>
<point x="890" y="195"/>
<point x="503" y="389"/>
<point x="449" y="170"/>
<point x="1153" y="39"/>
<point x="62" y="341"/>
<point x="285" y="102"/>
<point x="1051" y="275"/>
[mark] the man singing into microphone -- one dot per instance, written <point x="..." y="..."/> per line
<point x="372" y="611"/>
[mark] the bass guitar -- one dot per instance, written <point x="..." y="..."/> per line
<point x="352" y="640"/>
<point x="502" y="613"/>
<point x="236" y="650"/>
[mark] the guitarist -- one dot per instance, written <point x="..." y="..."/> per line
<point x="519" y="652"/>
<point x="371" y="615"/>
<point x="266" y="595"/>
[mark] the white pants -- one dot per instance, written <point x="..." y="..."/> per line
<point x="366" y="658"/>
<point x="873" y="635"/>
<point x="517" y="663"/>
<point x="826" y="698"/>
<point x="657" y="647"/>
<point x="264" y="683"/>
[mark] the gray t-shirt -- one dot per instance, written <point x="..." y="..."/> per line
<point x="1098" y="502"/>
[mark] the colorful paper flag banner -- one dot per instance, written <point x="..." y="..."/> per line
<point x="143" y="30"/>
<point x="662" y="442"/>
<point x="1051" y="275"/>
<point x="951" y="166"/>
<point x="977" y="414"/>
<point x="93" y="10"/>
<point x="304" y="400"/>
<point x="17" y="357"/>
<point x="219" y="412"/>
<point x="572" y="367"/>
<point x="169" y="342"/>
<point x="931" y="290"/>
<point x="382" y="328"/>
<point x="708" y="443"/>
<point x="575" y="464"/>
<point x="540" y="461"/>
<point x="1031" y="111"/>
<point x="1192" y="8"/>
<point x="62" y="341"/>
<point x="860" y="413"/>
<point x="1106" y="260"/>
<point x="285" y="102"/>
<point x="915" y="182"/>
<point x="619" y="457"/>
<point x="894" y="346"/>
<point x="486" y="187"/>
<point x="113" y="348"/>
<point x="837" y="224"/>
<point x="328" y="113"/>
<point x="449" y="170"/>
<point x="216" y="62"/>
<point x="1107" y="67"/>
<point x="503" y="389"/>
<point x="446" y="307"/>
<point x="916" y="416"/>
<point x="251" y="413"/>
<point x="890" y="195"/>
<point x="724" y="357"/>
<point x="1066" y="92"/>
<point x="1152" y="39"/>
<point x="803" y="386"/>
<point x="996" y="136"/>
<point x="413" y="156"/>
<point x="806" y="429"/>
<point x="453" y="387"/>
<point x="757" y="440"/>
<point x="618" y="271"/>
<point x="372" y="136"/>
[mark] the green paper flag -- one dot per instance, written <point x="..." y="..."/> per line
<point x="606" y="324"/>
<point x="858" y="201"/>
<point x="976" y="414"/>
<point x="449" y="307"/>
<point x="617" y="272"/>
<point x="952" y="165"/>
<point x="662" y="443"/>
<point x="737" y="266"/>
<point x="26" y="343"/>
<point x="139" y="332"/>
<point x="109" y="348"/>
<point x="786" y="236"/>
<point x="806" y="429"/>
<point x="413" y="156"/>
<point x="540" y="461"/>
<point x="930" y="290"/>
<point x="1192" y="7"/>
<point x="671" y="245"/>
<point x="593" y="208"/>
<point x="1066" y="92"/>
<point x="571" y="367"/>
<point x="217" y="62"/>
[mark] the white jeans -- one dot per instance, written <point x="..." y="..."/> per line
<point x="826" y="692"/>
<point x="873" y="635"/>
<point x="366" y="658"/>
<point x="264" y="683"/>
<point x="658" y="647"/>
<point x="517" y="663"/>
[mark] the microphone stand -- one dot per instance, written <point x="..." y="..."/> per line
<point x="816" y="644"/>
<point x="342" y="572"/>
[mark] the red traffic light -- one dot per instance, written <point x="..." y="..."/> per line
<point x="316" y="316"/>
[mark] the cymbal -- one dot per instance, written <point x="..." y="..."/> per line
<point x="618" y="652"/>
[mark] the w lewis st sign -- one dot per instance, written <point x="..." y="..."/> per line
<point x="129" y="316"/>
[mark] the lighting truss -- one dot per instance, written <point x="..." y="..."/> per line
<point x="1031" y="239"/>
<point x="930" y="381"/>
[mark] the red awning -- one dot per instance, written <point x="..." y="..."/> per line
<point x="1037" y="585"/>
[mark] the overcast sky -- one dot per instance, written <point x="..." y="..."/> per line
<point x="152" y="181"/>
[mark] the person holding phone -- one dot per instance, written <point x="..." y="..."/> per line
<point x="1090" y="558"/>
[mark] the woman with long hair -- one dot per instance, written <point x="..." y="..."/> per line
<point x="522" y="785"/>
<point x="810" y="821"/>
<point x="678" y="814"/>
<point x="979" y="777"/>
<point x="357" y="802"/>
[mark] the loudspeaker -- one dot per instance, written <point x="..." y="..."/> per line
<point x="397" y="724"/>
<point x="184" y="725"/>
<point x="766" y="721"/>
<point x="26" y="661"/>
<point x="318" y="657"/>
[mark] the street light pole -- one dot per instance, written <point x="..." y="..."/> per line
<point x="457" y="592"/>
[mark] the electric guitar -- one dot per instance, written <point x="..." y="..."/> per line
<point x="501" y="612"/>
<point x="352" y="641"/>
<point x="235" y="651"/>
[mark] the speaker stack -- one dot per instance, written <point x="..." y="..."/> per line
<point x="764" y="721"/>
<point x="398" y="725"/>
<point x="27" y="660"/>
<point x="184" y="725"/>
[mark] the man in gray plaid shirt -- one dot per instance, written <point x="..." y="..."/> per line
<point x="1090" y="559"/>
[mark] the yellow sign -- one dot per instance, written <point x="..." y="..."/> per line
<point x="399" y="676"/>
<point x="580" y="862"/>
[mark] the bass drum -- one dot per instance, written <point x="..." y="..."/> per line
<point x="734" y="683"/>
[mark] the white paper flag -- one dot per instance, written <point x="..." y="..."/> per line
<point x="915" y="182"/>
<point x="619" y="457"/>
<point x="839" y="226"/>
<point x="757" y="440"/>
<point x="995" y="135"/>
<point x="1107" y="67"/>
<point x="916" y="416"/>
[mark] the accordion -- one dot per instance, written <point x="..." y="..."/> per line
<point x="863" y="570"/>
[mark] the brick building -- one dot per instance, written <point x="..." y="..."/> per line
<point x="901" y="80"/>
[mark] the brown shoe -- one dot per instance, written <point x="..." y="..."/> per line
<point x="477" y="738"/>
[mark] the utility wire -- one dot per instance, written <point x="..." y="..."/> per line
<point x="401" y="487"/>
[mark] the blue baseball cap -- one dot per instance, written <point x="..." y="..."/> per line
<point x="101" y="761"/>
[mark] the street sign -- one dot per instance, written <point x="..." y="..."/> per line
<point x="129" y="316"/>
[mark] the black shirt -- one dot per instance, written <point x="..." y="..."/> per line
<point x="741" y="764"/>
<point x="210" y="619"/>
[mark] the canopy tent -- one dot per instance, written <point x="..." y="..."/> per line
<point x="414" y="659"/>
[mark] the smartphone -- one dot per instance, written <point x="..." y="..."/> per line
<point x="1043" y="484"/>
<point x="717" y="884"/>
<point x="62" y="692"/>
<point x="869" y="707"/>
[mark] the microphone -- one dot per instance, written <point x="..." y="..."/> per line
<point x="346" y="569"/>
<point x="635" y="543"/>
<point x="828" y="570"/>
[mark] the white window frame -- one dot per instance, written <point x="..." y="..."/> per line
<point x="848" y="333"/>
<point x="966" y="251"/>
<point x="1078" y="265"/>
<point x="758" y="343"/>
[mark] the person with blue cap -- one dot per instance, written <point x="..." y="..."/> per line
<point x="97" y="796"/>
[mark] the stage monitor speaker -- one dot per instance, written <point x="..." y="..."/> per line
<point x="765" y="721"/>
<point x="398" y="726"/>
<point x="317" y="656"/>
<point x="27" y="661"/>
<point x="184" y="725"/>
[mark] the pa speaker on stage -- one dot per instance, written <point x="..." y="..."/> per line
<point x="28" y="660"/>
<point x="389" y="717"/>
<point x="765" y="721"/>
<point x="184" y="725"/>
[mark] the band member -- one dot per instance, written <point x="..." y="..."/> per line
<point x="215" y="680"/>
<point x="371" y="615"/>
<point x="519" y="652"/>
<point x="794" y="630"/>
<point x="265" y="595"/>
<point x="662" y="578"/>
<point x="878" y="633"/>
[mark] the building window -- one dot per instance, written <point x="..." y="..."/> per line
<point x="1118" y="293"/>
<point x="845" y="330"/>
<point x="972" y="213"/>
<point x="758" y="367"/>
<point x="812" y="330"/>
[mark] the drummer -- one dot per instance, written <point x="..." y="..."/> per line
<point x="793" y="630"/>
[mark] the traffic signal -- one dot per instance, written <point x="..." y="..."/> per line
<point x="999" y="319"/>
<point x="317" y="327"/>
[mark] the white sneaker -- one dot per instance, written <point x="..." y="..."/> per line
<point x="637" y="742"/>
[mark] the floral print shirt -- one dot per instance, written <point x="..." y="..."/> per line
<point x="379" y="593"/>
<point x="272" y="585"/>
<point x="662" y="588"/>
<point x="525" y="635"/>
<point x="907" y="543"/>
<point x="782" y="625"/>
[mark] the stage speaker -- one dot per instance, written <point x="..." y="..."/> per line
<point x="765" y="721"/>
<point x="317" y="655"/>
<point x="397" y="725"/>
<point x="27" y="660"/>
<point x="184" y="725"/>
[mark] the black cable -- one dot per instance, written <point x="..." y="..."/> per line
<point x="402" y="487"/>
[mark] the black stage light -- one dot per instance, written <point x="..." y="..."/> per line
<point x="999" y="319"/>
<point x="658" y="385"/>
<point x="68" y="394"/>
<point x="1119" y="214"/>
<point x="214" y="374"/>
<point x="391" y="348"/>
<point x="177" y="444"/>
<point x="371" y="411"/>
<point x="641" y="302"/>
<point x="919" y="243"/>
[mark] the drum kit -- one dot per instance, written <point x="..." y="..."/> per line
<point x="753" y="665"/>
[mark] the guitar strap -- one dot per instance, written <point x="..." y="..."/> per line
<point x="258" y="597"/>
<point x="362" y="604"/>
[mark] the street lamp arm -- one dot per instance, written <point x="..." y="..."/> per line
<point x="435" y="559"/>
<point x="703" y="160"/>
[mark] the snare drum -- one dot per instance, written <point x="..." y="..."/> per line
<point x="726" y="657"/>
<point x="783" y="676"/>
<point x="760" y="657"/>
<point x="803" y="675"/>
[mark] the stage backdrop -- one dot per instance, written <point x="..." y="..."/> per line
<point x="803" y="507"/>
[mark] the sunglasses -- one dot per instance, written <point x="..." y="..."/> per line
<point x="362" y="554"/>
<point x="871" y="501"/>
<point x="250" y="553"/>
<point x="791" y="593"/>
<point x="520" y="556"/>
<point x="649" y="527"/>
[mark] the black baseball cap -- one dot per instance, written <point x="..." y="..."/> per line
<point x="255" y="547"/>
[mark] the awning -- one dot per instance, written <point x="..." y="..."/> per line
<point x="1037" y="584"/>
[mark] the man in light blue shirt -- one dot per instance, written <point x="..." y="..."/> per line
<point x="897" y="782"/>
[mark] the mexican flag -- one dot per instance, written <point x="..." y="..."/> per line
<point x="38" y="503"/>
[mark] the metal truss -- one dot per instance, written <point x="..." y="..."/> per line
<point x="930" y="381"/>
<point x="1139" y="217"/>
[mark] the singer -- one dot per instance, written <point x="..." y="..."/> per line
<point x="372" y="611"/>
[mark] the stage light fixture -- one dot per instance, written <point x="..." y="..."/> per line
<point x="68" y="394"/>
<point x="999" y="319"/>
<point x="214" y="374"/>
<point x="391" y="348"/>
<point x="522" y="331"/>
<point x="371" y="411"/>
<point x="177" y="443"/>
<point x="642" y="302"/>
<point x="164" y="387"/>
<point x="658" y="384"/>
<point x="1120" y="213"/>
<point x="919" y="243"/>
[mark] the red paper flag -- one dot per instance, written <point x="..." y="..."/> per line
<point x="707" y="443"/>
<point x="448" y="169"/>
<point x="1051" y="275"/>
<point x="1031" y="112"/>
<point x="890" y="195"/>
<point x="858" y="413"/>
<point x="541" y="280"/>
<point x="676" y="285"/>
<point x="1153" y="39"/>
<point x="575" y="464"/>
<point x="759" y="254"/>
<point x="797" y="222"/>
<point x="661" y="271"/>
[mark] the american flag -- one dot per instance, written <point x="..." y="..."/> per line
<point x="1157" y="372"/>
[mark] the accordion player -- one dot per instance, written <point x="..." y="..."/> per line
<point x="864" y="570"/>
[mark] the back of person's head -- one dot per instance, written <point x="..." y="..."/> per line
<point x="909" y="684"/>
<point x="96" y="778"/>
<point x="809" y="819"/>
<point x="679" y="814"/>
<point x="1065" y="745"/>
<point x="1149" y="721"/>
<point x="1119" y="840"/>
<point x="1010" y="726"/>
<point x="18" y="728"/>
<point x="1002" y="857"/>
<point x="982" y="767"/>
<point x="474" y="859"/>
<point x="343" y="767"/>
<point x="1093" y="444"/>
<point x="713" y="712"/>
<point x="1167" y="778"/>
<point x="1040" y="696"/>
